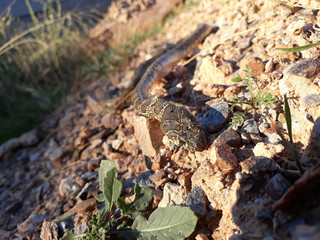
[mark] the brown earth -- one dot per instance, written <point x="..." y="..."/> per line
<point x="251" y="186"/>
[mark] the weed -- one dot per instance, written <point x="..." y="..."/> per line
<point x="289" y="144"/>
<point x="116" y="218"/>
<point x="256" y="101"/>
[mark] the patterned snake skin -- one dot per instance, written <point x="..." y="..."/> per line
<point x="180" y="125"/>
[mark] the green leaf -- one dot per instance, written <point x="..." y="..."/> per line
<point x="237" y="79"/>
<point x="169" y="223"/>
<point x="70" y="236"/>
<point x="105" y="166"/>
<point x="111" y="187"/>
<point x="142" y="198"/>
<point x="100" y="197"/>
<point x="298" y="49"/>
<point x="288" y="117"/>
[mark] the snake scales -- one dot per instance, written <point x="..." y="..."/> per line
<point x="180" y="125"/>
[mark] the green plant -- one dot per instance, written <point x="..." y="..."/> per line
<point x="256" y="101"/>
<point x="116" y="218"/>
<point x="298" y="49"/>
<point x="289" y="144"/>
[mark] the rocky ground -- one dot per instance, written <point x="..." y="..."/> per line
<point x="246" y="184"/>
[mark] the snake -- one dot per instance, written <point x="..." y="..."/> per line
<point x="176" y="122"/>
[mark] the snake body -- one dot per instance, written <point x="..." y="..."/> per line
<point x="179" y="124"/>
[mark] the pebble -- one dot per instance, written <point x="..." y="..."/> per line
<point x="268" y="150"/>
<point x="216" y="117"/>
<point x="230" y="137"/>
<point x="257" y="164"/>
<point x="110" y="121"/>
<point x="88" y="176"/>
<point x="306" y="68"/>
<point x="68" y="186"/>
<point x="220" y="154"/>
<point x="144" y="179"/>
<point x="196" y="201"/>
<point x="13" y="207"/>
<point x="243" y="43"/>
<point x="310" y="100"/>
<point x="49" y="230"/>
<point x="117" y="143"/>
<point x="149" y="135"/>
<point x="250" y="132"/>
<point x="80" y="228"/>
<point x="254" y="63"/>
<point x="93" y="164"/>
<point x="173" y="194"/>
<point x="263" y="214"/>
<point x="277" y="186"/>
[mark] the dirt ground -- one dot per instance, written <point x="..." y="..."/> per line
<point x="251" y="188"/>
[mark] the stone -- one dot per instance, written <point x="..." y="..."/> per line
<point x="277" y="186"/>
<point x="85" y="206"/>
<point x="13" y="207"/>
<point x="306" y="68"/>
<point x="255" y="165"/>
<point x="254" y="63"/>
<point x="27" y="139"/>
<point x="196" y="201"/>
<point x="243" y="43"/>
<point x="144" y="179"/>
<point x="310" y="100"/>
<point x="268" y="150"/>
<point x="80" y="228"/>
<point x="149" y="135"/>
<point x="49" y="231"/>
<point x="250" y="132"/>
<point x="216" y="117"/>
<point x="110" y="121"/>
<point x="117" y="143"/>
<point x="214" y="70"/>
<point x="159" y="178"/>
<point x="263" y="214"/>
<point x="173" y="194"/>
<point x="220" y="155"/>
<point x="68" y="186"/>
<point x="93" y="164"/>
<point x="230" y="137"/>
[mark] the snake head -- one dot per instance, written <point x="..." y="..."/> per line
<point x="183" y="128"/>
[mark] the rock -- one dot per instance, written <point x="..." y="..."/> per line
<point x="220" y="155"/>
<point x="149" y="135"/>
<point x="80" y="228"/>
<point x="277" y="186"/>
<point x="250" y="132"/>
<point x="214" y="70"/>
<point x="173" y="194"/>
<point x="159" y="178"/>
<point x="201" y="236"/>
<point x="268" y="150"/>
<point x="144" y="179"/>
<point x="177" y="89"/>
<point x="263" y="214"/>
<point x="216" y="117"/>
<point x="85" y="206"/>
<point x="230" y="137"/>
<point x="13" y="207"/>
<point x="93" y="164"/>
<point x="311" y="100"/>
<point x="243" y="43"/>
<point x="255" y="165"/>
<point x="196" y="201"/>
<point x="110" y="121"/>
<point x="306" y="68"/>
<point x="49" y="231"/>
<point x="88" y="176"/>
<point x="27" y="139"/>
<point x="311" y="155"/>
<point x="185" y="180"/>
<point x="68" y="186"/>
<point x="254" y="63"/>
<point x="117" y="143"/>
<point x="5" y="234"/>
<point x="297" y="78"/>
